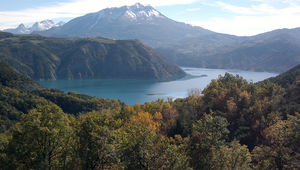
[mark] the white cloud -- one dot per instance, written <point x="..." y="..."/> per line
<point x="260" y="16"/>
<point x="252" y="20"/>
<point x="261" y="9"/>
<point x="249" y="25"/>
<point x="237" y="9"/>
<point x="193" y="9"/>
<point x="72" y="9"/>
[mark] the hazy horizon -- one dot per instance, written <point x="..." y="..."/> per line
<point x="245" y="18"/>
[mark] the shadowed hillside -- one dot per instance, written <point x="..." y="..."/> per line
<point x="55" y="58"/>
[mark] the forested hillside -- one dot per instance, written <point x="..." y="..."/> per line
<point x="19" y="94"/>
<point x="43" y="58"/>
<point x="234" y="124"/>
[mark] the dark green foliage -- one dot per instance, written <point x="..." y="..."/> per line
<point x="15" y="96"/>
<point x="287" y="78"/>
<point x="290" y="80"/>
<point x="209" y="132"/>
<point x="98" y="142"/>
<point x="11" y="78"/>
<point x="41" y="140"/>
<point x="75" y="103"/>
<point x="14" y="103"/>
<point x="292" y="99"/>
<point x="189" y="109"/>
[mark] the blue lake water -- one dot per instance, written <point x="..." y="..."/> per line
<point x="141" y="91"/>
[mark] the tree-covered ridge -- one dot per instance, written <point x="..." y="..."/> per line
<point x="233" y="124"/>
<point x="290" y="80"/>
<point x="19" y="94"/>
<point x="287" y="78"/>
<point x="55" y="58"/>
<point x="11" y="78"/>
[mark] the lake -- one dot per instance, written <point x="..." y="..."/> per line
<point x="140" y="91"/>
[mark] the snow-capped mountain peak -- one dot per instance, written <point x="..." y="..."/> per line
<point x="136" y="12"/>
<point x="21" y="26"/>
<point x="37" y="26"/>
<point x="144" y="11"/>
<point x="21" y="29"/>
<point x="138" y="5"/>
<point x="42" y="25"/>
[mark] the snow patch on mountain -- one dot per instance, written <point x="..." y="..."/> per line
<point x="136" y="12"/>
<point x="130" y="14"/>
<point x="43" y="25"/>
<point x="38" y="26"/>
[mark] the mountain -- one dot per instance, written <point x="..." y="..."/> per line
<point x="56" y="58"/>
<point x="44" y="25"/>
<point x="128" y="22"/>
<point x="38" y="26"/>
<point x="275" y="51"/>
<point x="21" y="29"/>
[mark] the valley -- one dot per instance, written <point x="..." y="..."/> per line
<point x="122" y="86"/>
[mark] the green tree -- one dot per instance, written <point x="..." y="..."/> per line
<point x="137" y="143"/>
<point x="3" y="150"/>
<point x="41" y="140"/>
<point x="208" y="133"/>
<point x="98" y="142"/>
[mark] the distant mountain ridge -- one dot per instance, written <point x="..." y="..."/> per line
<point x="37" y="26"/>
<point x="275" y="51"/>
<point x="186" y="45"/>
<point x="56" y="58"/>
<point x="128" y="22"/>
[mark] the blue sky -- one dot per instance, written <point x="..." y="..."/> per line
<point x="238" y="17"/>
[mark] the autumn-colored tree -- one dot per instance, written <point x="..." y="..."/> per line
<point x="152" y="121"/>
<point x="281" y="149"/>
